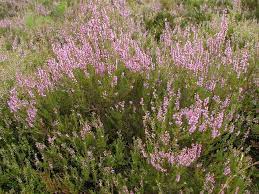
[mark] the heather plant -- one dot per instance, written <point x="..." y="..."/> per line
<point x="124" y="106"/>
<point x="157" y="25"/>
<point x="26" y="38"/>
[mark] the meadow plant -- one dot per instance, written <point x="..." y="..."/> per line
<point x="118" y="109"/>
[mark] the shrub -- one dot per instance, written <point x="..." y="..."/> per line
<point x="116" y="111"/>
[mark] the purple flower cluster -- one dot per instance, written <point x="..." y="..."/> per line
<point x="14" y="102"/>
<point x="184" y="158"/>
<point x="198" y="55"/>
<point x="102" y="43"/>
<point x="158" y="158"/>
<point x="199" y="117"/>
<point x="5" y="23"/>
<point x="93" y="36"/>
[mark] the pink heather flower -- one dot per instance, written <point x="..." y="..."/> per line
<point x="165" y="138"/>
<point x="40" y="146"/>
<point x="141" y="147"/>
<point x="211" y="85"/>
<point x="160" y="116"/>
<point x="197" y="57"/>
<point x="200" y="81"/>
<point x="192" y="115"/>
<point x="85" y="130"/>
<point x="14" y="102"/>
<point x="26" y="83"/>
<point x="121" y="6"/>
<point x="215" y="133"/>
<point x="156" y="6"/>
<point x="199" y="117"/>
<point x="3" y="57"/>
<point x="228" y="53"/>
<point x="216" y="122"/>
<point x="5" y="23"/>
<point x="44" y="82"/>
<point x="236" y="5"/>
<point x="155" y="162"/>
<point x="206" y="101"/>
<point x="231" y="128"/>
<point x="166" y="37"/>
<point x="42" y="10"/>
<point x="225" y="104"/>
<point x="209" y="183"/>
<point x="114" y="81"/>
<point x="165" y="104"/>
<point x="178" y="119"/>
<point x="169" y="89"/>
<point x="216" y="98"/>
<point x="202" y="127"/>
<point x="31" y="115"/>
<point x="171" y="158"/>
<point x="227" y="171"/>
<point x="51" y="139"/>
<point x="188" y="155"/>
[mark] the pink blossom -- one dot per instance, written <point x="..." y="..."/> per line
<point x="14" y="101"/>
<point x="85" y="130"/>
<point x="227" y="171"/>
<point x="215" y="133"/>
<point x="209" y="183"/>
<point x="5" y="23"/>
<point x="188" y="155"/>
<point x="31" y="115"/>
<point x="165" y="138"/>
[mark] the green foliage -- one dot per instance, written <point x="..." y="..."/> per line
<point x="59" y="9"/>
<point x="252" y="6"/>
<point x="157" y="24"/>
<point x="33" y="21"/>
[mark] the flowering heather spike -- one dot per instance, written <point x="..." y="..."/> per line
<point x="165" y="138"/>
<point x="155" y="162"/>
<point x="44" y="82"/>
<point x="85" y="130"/>
<point x="120" y="5"/>
<point x="91" y="51"/>
<point x="166" y="37"/>
<point x="215" y="133"/>
<point x="3" y="57"/>
<point x="209" y="183"/>
<point x="227" y="171"/>
<point x="31" y="115"/>
<point x="42" y="10"/>
<point x="189" y="155"/>
<point x="5" y="23"/>
<point x="157" y="157"/>
<point x="26" y="83"/>
<point x="14" y="102"/>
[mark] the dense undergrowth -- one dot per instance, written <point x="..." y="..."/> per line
<point x="129" y="97"/>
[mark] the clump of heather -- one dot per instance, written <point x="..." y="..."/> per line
<point x="118" y="109"/>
